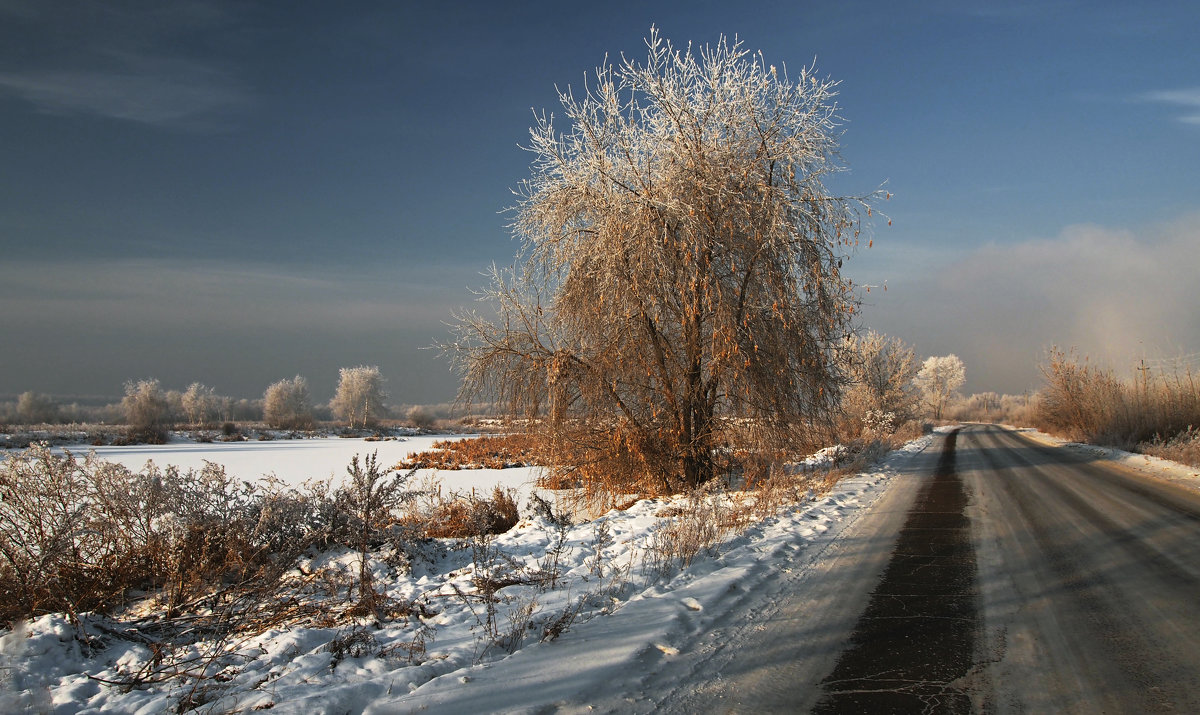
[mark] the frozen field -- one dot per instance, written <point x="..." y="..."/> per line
<point x="295" y="461"/>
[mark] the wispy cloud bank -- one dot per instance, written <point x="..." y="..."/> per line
<point x="160" y="92"/>
<point x="75" y="326"/>
<point x="1114" y="294"/>
<point x="1188" y="99"/>
<point x="120" y="61"/>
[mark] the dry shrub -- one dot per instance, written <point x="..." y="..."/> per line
<point x="50" y="557"/>
<point x="488" y="452"/>
<point x="79" y="535"/>
<point x="695" y="526"/>
<point x="1183" y="448"/>
<point x="1084" y="402"/>
<point x="602" y="466"/>
<point x="994" y="407"/>
<point x="464" y="516"/>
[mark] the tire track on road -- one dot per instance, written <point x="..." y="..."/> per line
<point x="916" y="640"/>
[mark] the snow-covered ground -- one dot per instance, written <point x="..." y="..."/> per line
<point x="294" y="461"/>
<point x="610" y="596"/>
<point x="617" y="609"/>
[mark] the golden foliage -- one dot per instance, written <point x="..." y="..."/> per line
<point x="681" y="266"/>
<point x="487" y="452"/>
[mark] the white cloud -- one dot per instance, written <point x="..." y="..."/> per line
<point x="1188" y="99"/>
<point x="1116" y="295"/>
<point x="190" y="99"/>
<point x="122" y="61"/>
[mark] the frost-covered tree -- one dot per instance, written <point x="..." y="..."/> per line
<point x="359" y="397"/>
<point x="146" y="410"/>
<point x="286" y="404"/>
<point x="420" y="417"/>
<point x="175" y="411"/>
<point x="681" y="261"/>
<point x="937" y="380"/>
<point x="882" y="369"/>
<point x="36" y="408"/>
<point x="200" y="404"/>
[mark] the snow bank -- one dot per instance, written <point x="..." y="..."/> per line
<point x="454" y="657"/>
<point x="1182" y="474"/>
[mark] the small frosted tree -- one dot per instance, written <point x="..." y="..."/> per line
<point x="882" y="395"/>
<point x="286" y="404"/>
<point x="36" y="408"/>
<point x="359" y="397"/>
<point x="421" y="417"/>
<point x="200" y="404"/>
<point x="146" y="410"/>
<point x="175" y="411"/>
<point x="938" y="379"/>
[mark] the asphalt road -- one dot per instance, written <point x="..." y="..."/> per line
<point x="1002" y="575"/>
<point x="1089" y="580"/>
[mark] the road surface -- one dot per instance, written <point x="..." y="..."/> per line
<point x="1001" y="575"/>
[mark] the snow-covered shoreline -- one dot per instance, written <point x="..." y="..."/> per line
<point x="615" y="612"/>
<point x="604" y="588"/>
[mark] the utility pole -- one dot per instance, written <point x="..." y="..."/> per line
<point x="1145" y="370"/>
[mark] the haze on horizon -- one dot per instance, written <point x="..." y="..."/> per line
<point x="234" y="193"/>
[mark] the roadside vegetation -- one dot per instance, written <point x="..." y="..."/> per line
<point x="1157" y="411"/>
<point x="84" y="534"/>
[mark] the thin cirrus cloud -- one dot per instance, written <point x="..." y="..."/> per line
<point x="161" y="92"/>
<point x="120" y="60"/>
<point x="1187" y="99"/>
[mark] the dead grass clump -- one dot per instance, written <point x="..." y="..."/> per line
<point x="1183" y="448"/>
<point x="488" y="452"/>
<point x="1087" y="403"/>
<point x="464" y="516"/>
<point x="696" y="526"/>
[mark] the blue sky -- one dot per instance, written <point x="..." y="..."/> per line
<point x="236" y="192"/>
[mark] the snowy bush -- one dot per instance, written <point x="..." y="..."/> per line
<point x="36" y="408"/>
<point x="420" y="417"/>
<point x="286" y="404"/>
<point x="938" y="379"/>
<point x="146" y="412"/>
<point x="881" y="370"/>
<point x="200" y="404"/>
<point x="359" y="397"/>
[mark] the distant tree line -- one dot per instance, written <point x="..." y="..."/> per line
<point x="149" y="410"/>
